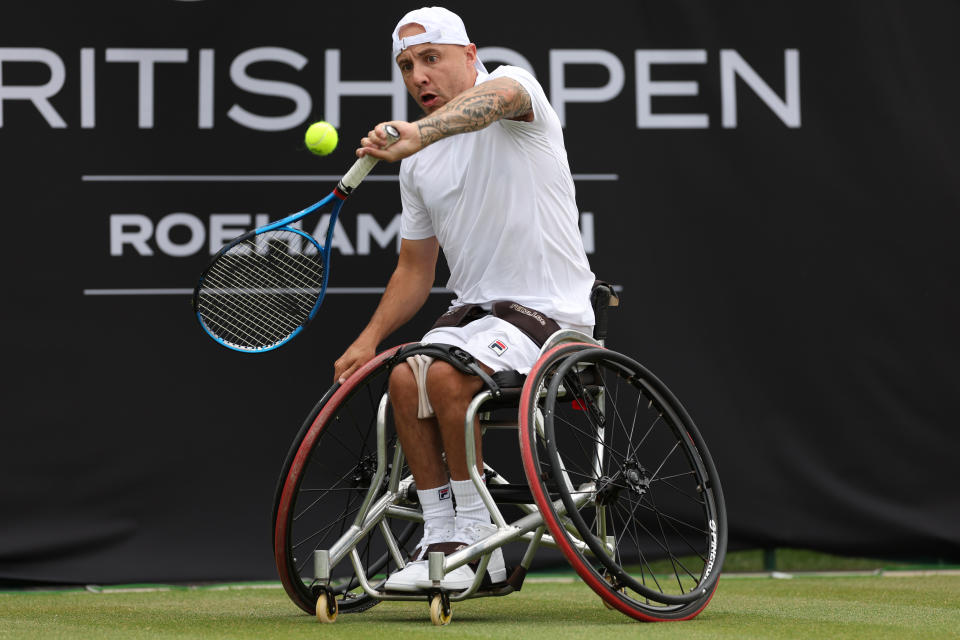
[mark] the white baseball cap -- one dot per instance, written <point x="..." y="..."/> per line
<point x="442" y="26"/>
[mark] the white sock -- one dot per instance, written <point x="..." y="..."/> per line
<point x="437" y="506"/>
<point x="469" y="503"/>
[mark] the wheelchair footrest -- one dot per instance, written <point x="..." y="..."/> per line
<point x="517" y="576"/>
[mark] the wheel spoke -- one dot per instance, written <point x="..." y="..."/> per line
<point x="666" y="481"/>
<point x="317" y="499"/>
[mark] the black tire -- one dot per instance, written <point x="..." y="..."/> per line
<point x="656" y="489"/>
<point x="324" y="481"/>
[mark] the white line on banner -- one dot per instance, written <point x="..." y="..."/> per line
<point x="580" y="177"/>
<point x="187" y="292"/>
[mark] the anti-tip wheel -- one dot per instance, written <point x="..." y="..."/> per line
<point x="440" y="611"/>
<point x="616" y="587"/>
<point x="327" y="609"/>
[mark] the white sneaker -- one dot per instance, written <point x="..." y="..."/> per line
<point x="462" y="577"/>
<point x="416" y="577"/>
<point x="416" y="570"/>
<point x="406" y="579"/>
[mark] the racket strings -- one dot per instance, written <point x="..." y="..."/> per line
<point x="277" y="288"/>
<point x="262" y="290"/>
<point x="248" y="310"/>
<point x="256" y="305"/>
<point x="244" y="284"/>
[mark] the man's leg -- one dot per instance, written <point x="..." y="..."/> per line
<point x="450" y="392"/>
<point x="422" y="446"/>
<point x="423" y="440"/>
<point x="420" y="438"/>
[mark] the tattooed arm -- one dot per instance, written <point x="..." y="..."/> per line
<point x="476" y="108"/>
<point x="472" y="110"/>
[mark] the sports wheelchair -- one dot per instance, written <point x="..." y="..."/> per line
<point x="612" y="472"/>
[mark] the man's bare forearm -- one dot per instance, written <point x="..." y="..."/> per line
<point x="476" y="108"/>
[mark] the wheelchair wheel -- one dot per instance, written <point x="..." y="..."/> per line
<point x="324" y="481"/>
<point x="624" y="481"/>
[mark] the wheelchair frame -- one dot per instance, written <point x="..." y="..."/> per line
<point x="550" y="506"/>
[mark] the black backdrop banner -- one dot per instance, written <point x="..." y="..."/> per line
<point x="774" y="185"/>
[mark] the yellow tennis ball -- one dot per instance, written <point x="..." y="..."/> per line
<point x="321" y="138"/>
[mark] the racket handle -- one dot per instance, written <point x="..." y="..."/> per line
<point x="364" y="165"/>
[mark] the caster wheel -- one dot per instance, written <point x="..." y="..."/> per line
<point x="616" y="587"/>
<point x="440" y="611"/>
<point x="327" y="607"/>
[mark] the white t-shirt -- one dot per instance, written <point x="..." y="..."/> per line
<point x="502" y="205"/>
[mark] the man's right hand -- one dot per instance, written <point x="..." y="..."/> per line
<point x="375" y="142"/>
<point x="356" y="355"/>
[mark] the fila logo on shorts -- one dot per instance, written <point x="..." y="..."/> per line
<point x="498" y="347"/>
<point x="443" y="494"/>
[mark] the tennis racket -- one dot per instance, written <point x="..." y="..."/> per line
<point x="262" y="288"/>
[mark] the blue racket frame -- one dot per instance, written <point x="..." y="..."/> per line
<point x="338" y="196"/>
<point x="338" y="199"/>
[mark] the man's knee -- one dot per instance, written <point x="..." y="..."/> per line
<point x="403" y="387"/>
<point x="446" y="384"/>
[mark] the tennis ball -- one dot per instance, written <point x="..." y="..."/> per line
<point x="321" y="138"/>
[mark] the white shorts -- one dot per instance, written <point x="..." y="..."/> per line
<point x="494" y="342"/>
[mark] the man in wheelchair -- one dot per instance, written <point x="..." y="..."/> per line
<point x="485" y="177"/>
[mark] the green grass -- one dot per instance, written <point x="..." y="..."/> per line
<point x="790" y="560"/>
<point x="796" y="560"/>
<point x="872" y="606"/>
